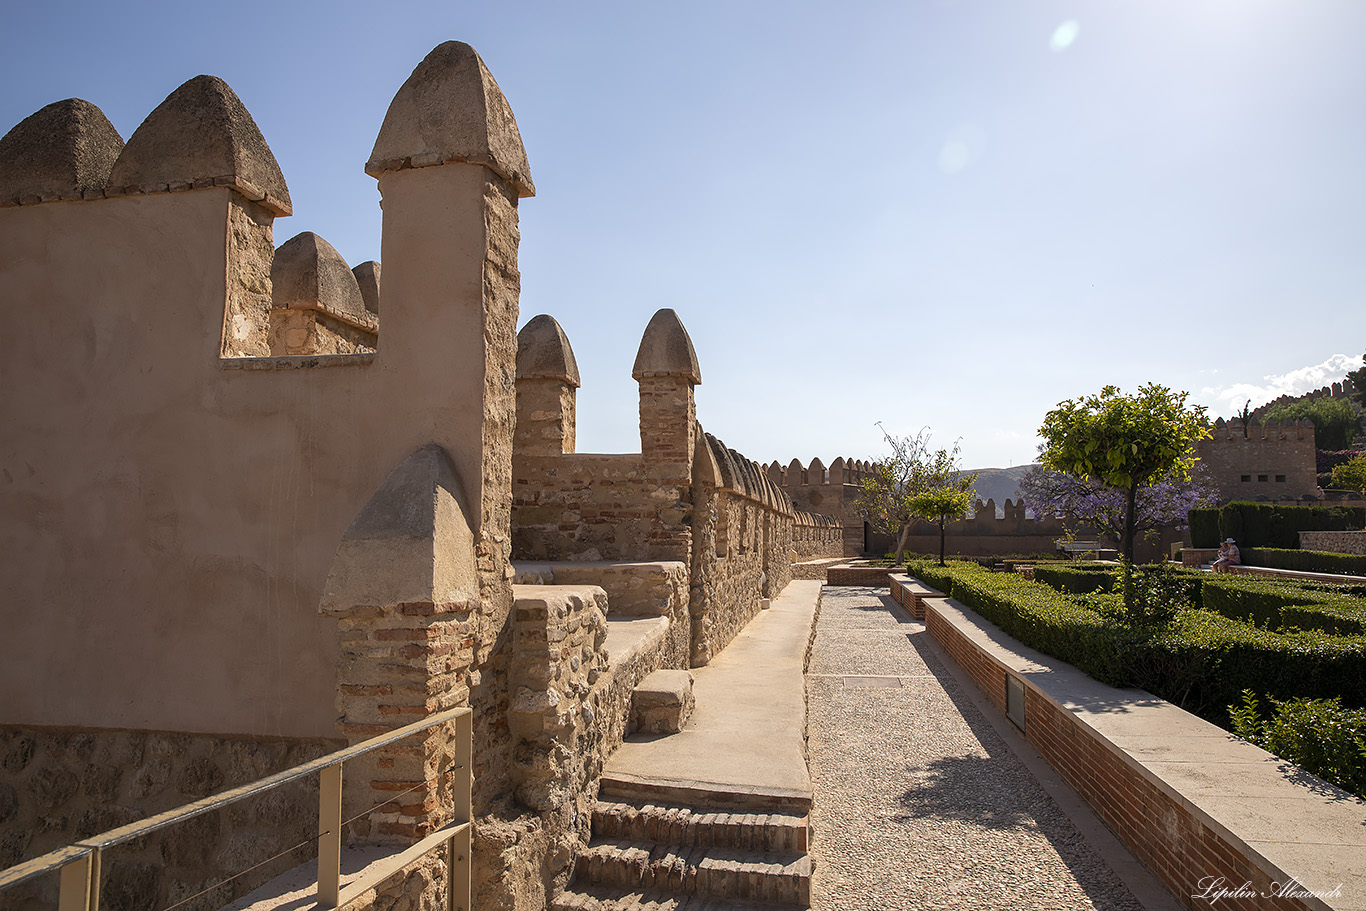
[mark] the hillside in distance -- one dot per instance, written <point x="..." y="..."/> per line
<point x="999" y="484"/>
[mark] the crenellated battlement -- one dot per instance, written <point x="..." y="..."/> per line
<point x="1272" y="462"/>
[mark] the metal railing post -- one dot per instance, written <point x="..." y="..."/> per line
<point x="329" y="835"/>
<point x="459" y="854"/>
<point x="75" y="894"/>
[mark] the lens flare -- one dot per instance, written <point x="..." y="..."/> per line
<point x="1064" y="35"/>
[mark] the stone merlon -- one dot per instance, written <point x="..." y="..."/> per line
<point x="63" y="150"/>
<point x="666" y="350"/>
<point x="202" y="132"/>
<point x="368" y="277"/>
<point x="543" y="352"/>
<point x="451" y="110"/>
<point x="309" y="273"/>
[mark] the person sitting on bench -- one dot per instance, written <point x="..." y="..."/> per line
<point x="1228" y="556"/>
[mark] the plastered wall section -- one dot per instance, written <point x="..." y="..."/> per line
<point x="201" y="502"/>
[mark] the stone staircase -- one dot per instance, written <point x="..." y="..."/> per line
<point x="670" y="857"/>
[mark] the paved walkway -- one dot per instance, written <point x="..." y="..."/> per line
<point x="919" y="801"/>
<point x="745" y="735"/>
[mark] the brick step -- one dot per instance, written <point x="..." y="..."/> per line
<point x="728" y="873"/>
<point x="593" y="898"/>
<point x="671" y="824"/>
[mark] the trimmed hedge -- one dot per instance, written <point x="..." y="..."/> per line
<point x="1307" y="561"/>
<point x="1037" y="615"/>
<point x="1267" y="525"/>
<point x="1076" y="580"/>
<point x="1276" y="605"/>
<point x="1202" y="662"/>
<point x="1204" y="526"/>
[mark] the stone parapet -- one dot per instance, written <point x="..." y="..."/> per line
<point x="558" y="654"/>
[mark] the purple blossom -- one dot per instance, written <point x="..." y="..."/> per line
<point x="1157" y="506"/>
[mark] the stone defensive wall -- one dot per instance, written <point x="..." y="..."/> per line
<point x="828" y="491"/>
<point x="1271" y="462"/>
<point x="834" y="491"/>
<point x="684" y="498"/>
<point x="244" y="527"/>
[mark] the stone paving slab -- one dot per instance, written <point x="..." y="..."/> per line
<point x="746" y="735"/>
<point x="919" y="802"/>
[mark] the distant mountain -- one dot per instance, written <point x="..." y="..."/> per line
<point x="999" y="484"/>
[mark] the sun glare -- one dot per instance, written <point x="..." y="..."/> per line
<point x="1064" y="35"/>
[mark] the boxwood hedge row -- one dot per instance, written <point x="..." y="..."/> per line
<point x="1308" y="561"/>
<point x="1202" y="662"/>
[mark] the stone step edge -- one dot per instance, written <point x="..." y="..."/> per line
<point x="640" y="820"/>
<point x="598" y="898"/>
<point x="702" y="795"/>
<point x="716" y="872"/>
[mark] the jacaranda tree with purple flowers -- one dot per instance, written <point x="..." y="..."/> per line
<point x="1100" y="506"/>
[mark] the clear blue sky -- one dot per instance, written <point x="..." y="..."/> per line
<point x="944" y="214"/>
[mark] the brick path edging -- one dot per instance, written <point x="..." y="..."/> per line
<point x="1178" y="842"/>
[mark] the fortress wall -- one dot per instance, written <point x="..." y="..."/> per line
<point x="683" y="497"/>
<point x="1272" y="462"/>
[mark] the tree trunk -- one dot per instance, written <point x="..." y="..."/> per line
<point x="901" y="540"/>
<point x="1127" y="562"/>
<point x="941" y="540"/>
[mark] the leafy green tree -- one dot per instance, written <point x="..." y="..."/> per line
<point x="1245" y="416"/>
<point x="914" y="483"/>
<point x="1127" y="442"/>
<point x="1351" y="475"/>
<point x="886" y="491"/>
<point x="1358" y="378"/>
<point x="1336" y="421"/>
<point x="939" y="504"/>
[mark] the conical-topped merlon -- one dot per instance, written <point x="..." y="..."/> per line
<point x="666" y="350"/>
<point x="451" y="110"/>
<point x="62" y="151"/>
<point x="202" y="136"/>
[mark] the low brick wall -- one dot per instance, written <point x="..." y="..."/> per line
<point x="1334" y="542"/>
<point x="856" y="574"/>
<point x="1199" y="808"/>
<point x="1198" y="556"/>
<point x="911" y="594"/>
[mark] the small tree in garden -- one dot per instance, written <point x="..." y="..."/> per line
<point x="941" y="504"/>
<point x="914" y="483"/>
<point x="1127" y="442"/>
<point x="886" y="491"/>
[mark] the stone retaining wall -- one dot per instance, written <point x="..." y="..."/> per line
<point x="1334" y="542"/>
<point x="58" y="787"/>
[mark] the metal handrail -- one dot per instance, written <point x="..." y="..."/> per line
<point x="81" y="892"/>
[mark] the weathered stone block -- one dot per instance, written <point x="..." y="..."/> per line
<point x="662" y="702"/>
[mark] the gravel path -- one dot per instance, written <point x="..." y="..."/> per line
<point x="919" y="803"/>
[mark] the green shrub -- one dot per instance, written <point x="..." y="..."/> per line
<point x="1307" y="561"/>
<point x="1201" y="661"/>
<point x="1205" y="660"/>
<point x="1077" y="580"/>
<point x="1266" y="525"/>
<point x="1278" y="605"/>
<point x="1318" y="735"/>
<point x="1204" y="526"/>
